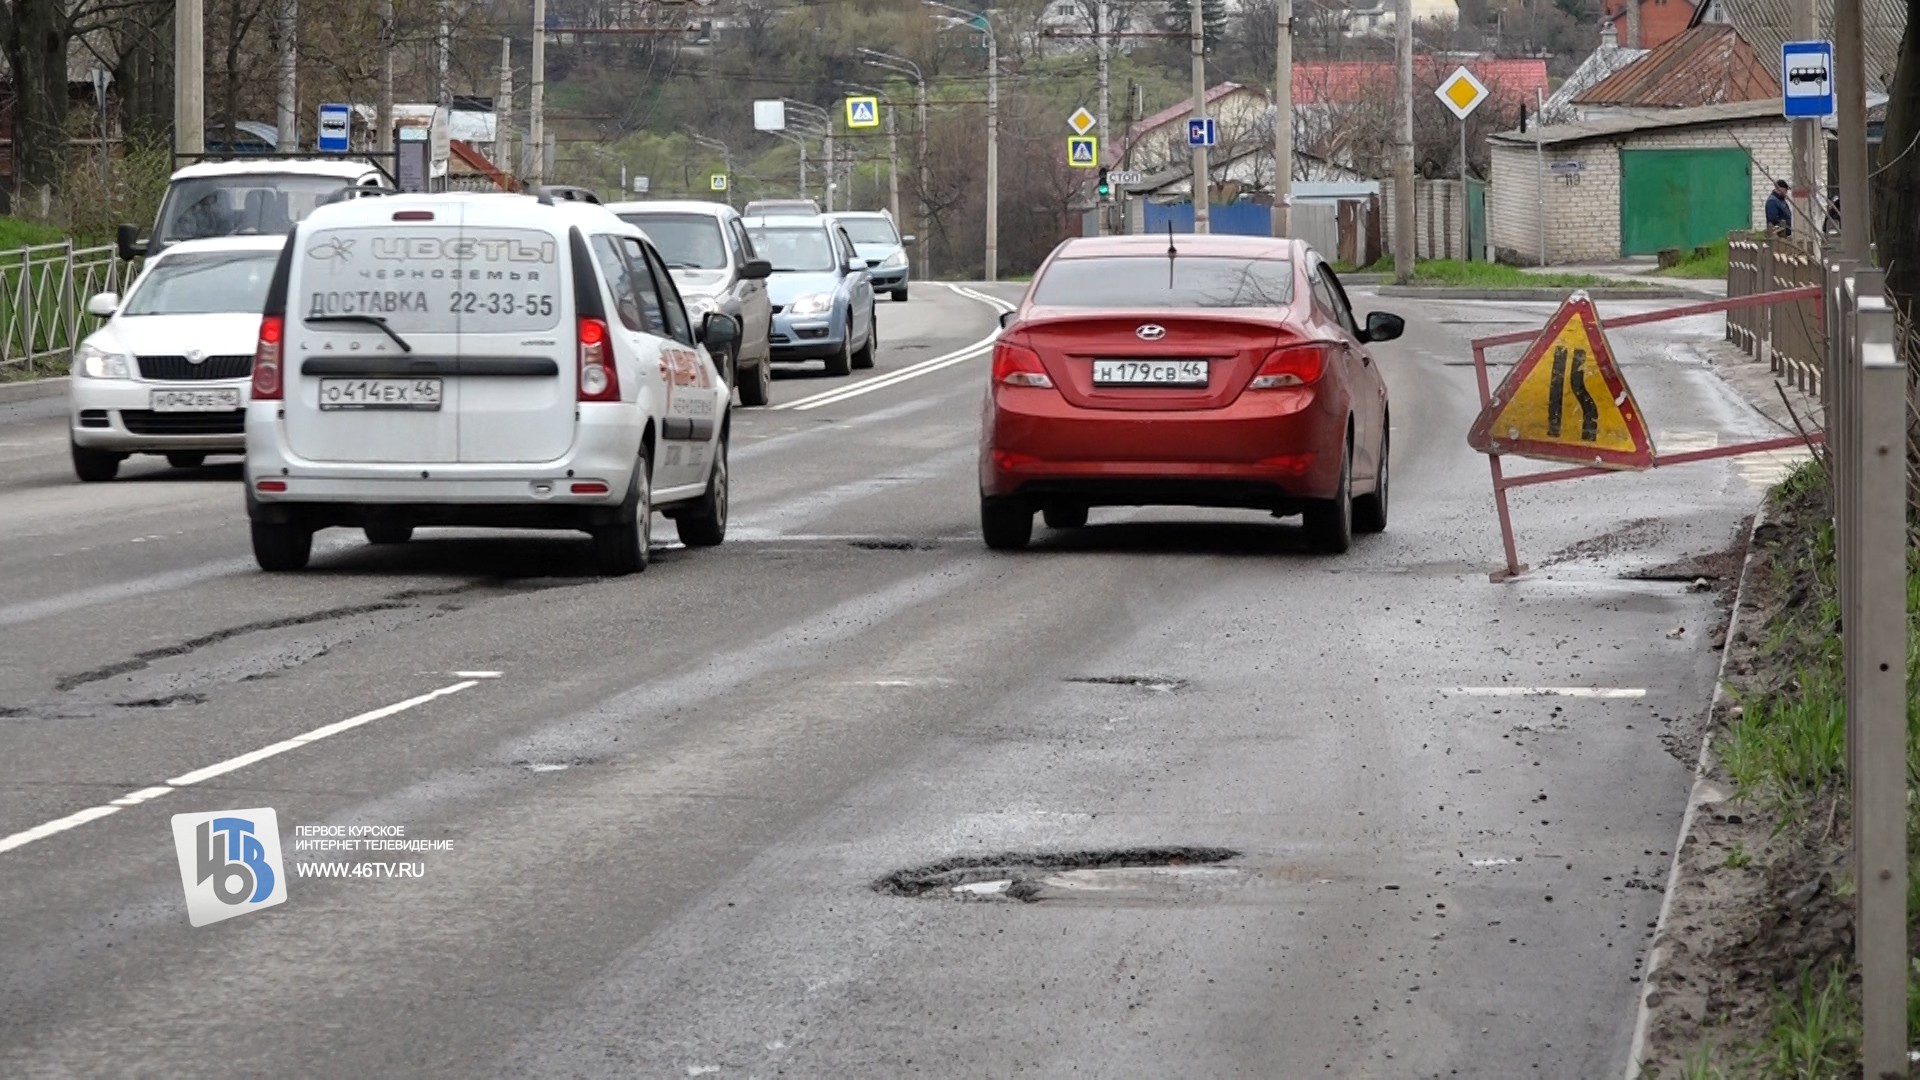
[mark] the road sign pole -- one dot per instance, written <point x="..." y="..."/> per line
<point x="1202" y="177"/>
<point x="1466" y="215"/>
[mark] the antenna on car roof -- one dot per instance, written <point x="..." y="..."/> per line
<point x="1172" y="252"/>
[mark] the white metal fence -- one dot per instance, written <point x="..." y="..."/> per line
<point x="43" y="297"/>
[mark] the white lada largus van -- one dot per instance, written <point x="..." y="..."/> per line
<point x="482" y="360"/>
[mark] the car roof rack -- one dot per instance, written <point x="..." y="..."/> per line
<point x="547" y="193"/>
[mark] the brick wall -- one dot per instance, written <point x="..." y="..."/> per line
<point x="1437" y="206"/>
<point x="1583" y="207"/>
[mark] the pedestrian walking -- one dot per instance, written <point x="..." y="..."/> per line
<point x="1779" y="210"/>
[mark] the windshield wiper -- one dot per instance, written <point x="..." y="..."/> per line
<point x="367" y="320"/>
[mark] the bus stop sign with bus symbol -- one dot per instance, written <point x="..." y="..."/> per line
<point x="1806" y="79"/>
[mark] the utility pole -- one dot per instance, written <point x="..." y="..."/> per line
<point x="1633" y="24"/>
<point x="893" y="163"/>
<point x="1283" y="123"/>
<point x="1850" y="86"/>
<point x="536" y="97"/>
<point x="1100" y="39"/>
<point x="1202" y="175"/>
<point x="503" y="111"/>
<point x="190" y="77"/>
<point x="1403" y="228"/>
<point x="926" y="189"/>
<point x="445" y="96"/>
<point x="1805" y="132"/>
<point x="832" y="181"/>
<point x="993" y="153"/>
<point x="287" y="111"/>
<point x="383" y="115"/>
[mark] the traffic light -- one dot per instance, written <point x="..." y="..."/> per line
<point x="1105" y="189"/>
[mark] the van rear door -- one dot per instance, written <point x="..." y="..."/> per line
<point x="517" y="366"/>
<point x="374" y="348"/>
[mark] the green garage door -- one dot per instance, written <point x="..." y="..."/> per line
<point x="1682" y="198"/>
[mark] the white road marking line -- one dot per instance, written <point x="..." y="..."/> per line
<point x="912" y="371"/>
<point x="476" y="674"/>
<point x="1608" y="692"/>
<point x="94" y="813"/>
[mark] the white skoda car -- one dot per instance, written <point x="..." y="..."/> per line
<point x="167" y="372"/>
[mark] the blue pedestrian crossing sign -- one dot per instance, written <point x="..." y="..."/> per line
<point x="1202" y="133"/>
<point x="1806" y="76"/>
<point x="863" y="112"/>
<point x="1083" y="151"/>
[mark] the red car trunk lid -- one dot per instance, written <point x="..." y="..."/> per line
<point x="1230" y="345"/>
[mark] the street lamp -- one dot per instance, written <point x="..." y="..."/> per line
<point x="893" y="149"/>
<point x="978" y="20"/>
<point x="904" y="66"/>
<point x="825" y="119"/>
<point x="726" y="159"/>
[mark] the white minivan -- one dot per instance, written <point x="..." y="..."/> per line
<point x="482" y="360"/>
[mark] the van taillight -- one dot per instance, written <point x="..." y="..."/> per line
<point x="599" y="381"/>
<point x="266" y="359"/>
<point x="1295" y="365"/>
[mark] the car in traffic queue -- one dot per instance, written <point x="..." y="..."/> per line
<point x="781" y="208"/>
<point x="250" y="196"/>
<point x="821" y="291"/>
<point x="885" y="250"/>
<point x="483" y="360"/>
<point x="1217" y="371"/>
<point x="166" y="372"/>
<point x="713" y="262"/>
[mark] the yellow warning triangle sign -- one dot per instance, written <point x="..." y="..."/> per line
<point x="1566" y="400"/>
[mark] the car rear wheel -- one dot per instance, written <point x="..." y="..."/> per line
<point x="864" y="358"/>
<point x="1330" y="523"/>
<point x="1007" y="525"/>
<point x="705" y="523"/>
<point x="94" y="466"/>
<point x="281" y="546"/>
<point x="1065" y="517"/>
<point x="388" y="534"/>
<point x="1370" y="511"/>
<point x="841" y="363"/>
<point x="757" y="387"/>
<point x="624" y="548"/>
<point x="900" y="295"/>
<point x="184" y="460"/>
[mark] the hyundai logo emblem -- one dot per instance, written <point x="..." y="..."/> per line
<point x="195" y="356"/>
<point x="1150" y="332"/>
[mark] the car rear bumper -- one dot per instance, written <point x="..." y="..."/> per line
<point x="605" y="450"/>
<point x="1269" y="450"/>
<point x="115" y="415"/>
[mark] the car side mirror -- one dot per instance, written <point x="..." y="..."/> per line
<point x="128" y="240"/>
<point x="103" y="305"/>
<point x="1006" y="319"/>
<point x="719" y="332"/>
<point x="856" y="266"/>
<point x="756" y="270"/>
<point x="1384" y="327"/>
<point x="909" y="241"/>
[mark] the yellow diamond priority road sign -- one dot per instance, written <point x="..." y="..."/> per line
<point x="1081" y="121"/>
<point x="1461" y="92"/>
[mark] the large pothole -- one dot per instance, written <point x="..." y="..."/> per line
<point x="1159" y="684"/>
<point x="1036" y="876"/>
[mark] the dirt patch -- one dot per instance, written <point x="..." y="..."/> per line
<point x="1755" y="902"/>
<point x="1017" y="875"/>
<point x="1631" y="536"/>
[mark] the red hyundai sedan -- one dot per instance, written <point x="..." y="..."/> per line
<point x="1222" y="371"/>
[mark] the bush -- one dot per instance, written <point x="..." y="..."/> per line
<point x="99" y="190"/>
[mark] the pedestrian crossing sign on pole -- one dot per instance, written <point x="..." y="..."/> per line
<point x="1083" y="151"/>
<point x="717" y="182"/>
<point x="863" y="112"/>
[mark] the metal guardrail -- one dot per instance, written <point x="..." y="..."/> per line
<point x="1865" y="394"/>
<point x="43" y="297"/>
<point x="1788" y="336"/>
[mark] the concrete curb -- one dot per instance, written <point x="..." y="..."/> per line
<point x="32" y="390"/>
<point x="1541" y="294"/>
<point x="1704" y="792"/>
<point x="1362" y="279"/>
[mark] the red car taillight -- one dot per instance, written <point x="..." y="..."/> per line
<point x="267" y="383"/>
<point x="599" y="381"/>
<point x="1017" y="365"/>
<point x="1295" y="365"/>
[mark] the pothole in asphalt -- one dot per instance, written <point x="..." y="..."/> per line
<point x="558" y="765"/>
<point x="167" y="702"/>
<point x="893" y="545"/>
<point x="1159" y="684"/>
<point x="1036" y="876"/>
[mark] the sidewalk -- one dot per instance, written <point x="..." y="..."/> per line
<point x="1756" y="382"/>
<point x="1640" y="270"/>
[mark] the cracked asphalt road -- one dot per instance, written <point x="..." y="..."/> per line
<point x="669" y="808"/>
